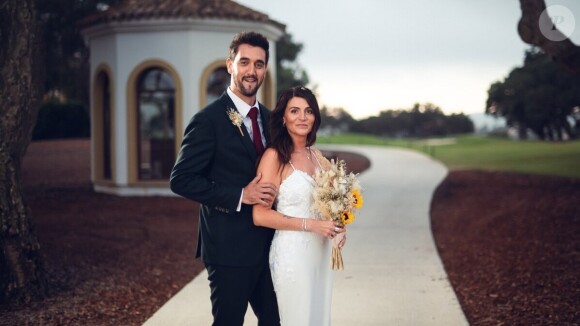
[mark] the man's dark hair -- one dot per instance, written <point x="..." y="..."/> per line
<point x="251" y="38"/>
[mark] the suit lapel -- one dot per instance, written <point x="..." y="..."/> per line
<point x="246" y="139"/>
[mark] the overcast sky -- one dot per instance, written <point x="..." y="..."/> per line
<point x="371" y="55"/>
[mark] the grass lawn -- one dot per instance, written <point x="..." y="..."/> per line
<point x="486" y="153"/>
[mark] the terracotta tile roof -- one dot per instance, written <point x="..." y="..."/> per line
<point x="130" y="10"/>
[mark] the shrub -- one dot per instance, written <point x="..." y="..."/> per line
<point x="62" y="120"/>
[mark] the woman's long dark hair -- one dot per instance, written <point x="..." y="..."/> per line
<point x="280" y="139"/>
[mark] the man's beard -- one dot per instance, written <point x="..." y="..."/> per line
<point x="248" y="92"/>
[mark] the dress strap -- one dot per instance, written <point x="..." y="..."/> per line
<point x="292" y="165"/>
<point x="315" y="156"/>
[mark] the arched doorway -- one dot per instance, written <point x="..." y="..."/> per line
<point x="103" y="135"/>
<point x="155" y="124"/>
<point x="106" y="98"/>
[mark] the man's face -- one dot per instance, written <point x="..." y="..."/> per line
<point x="248" y="70"/>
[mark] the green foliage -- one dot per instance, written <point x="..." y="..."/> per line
<point x="66" y="54"/>
<point x="289" y="73"/>
<point x="57" y="121"/>
<point x="423" y="120"/>
<point x="337" y="120"/>
<point x="485" y="153"/>
<point x="540" y="95"/>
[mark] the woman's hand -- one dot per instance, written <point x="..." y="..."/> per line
<point x="327" y="229"/>
<point x="342" y="240"/>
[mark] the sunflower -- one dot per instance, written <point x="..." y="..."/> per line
<point x="346" y="217"/>
<point x="357" y="199"/>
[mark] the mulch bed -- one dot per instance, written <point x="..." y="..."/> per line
<point x="111" y="260"/>
<point x="509" y="243"/>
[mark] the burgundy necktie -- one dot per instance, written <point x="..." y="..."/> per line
<point x="256" y="136"/>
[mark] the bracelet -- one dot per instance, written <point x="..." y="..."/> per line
<point x="303" y="222"/>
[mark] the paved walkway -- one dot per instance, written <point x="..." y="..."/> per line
<point x="393" y="274"/>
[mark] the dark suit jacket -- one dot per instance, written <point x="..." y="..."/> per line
<point x="213" y="166"/>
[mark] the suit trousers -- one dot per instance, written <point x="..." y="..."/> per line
<point x="232" y="287"/>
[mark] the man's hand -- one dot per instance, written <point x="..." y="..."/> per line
<point x="259" y="193"/>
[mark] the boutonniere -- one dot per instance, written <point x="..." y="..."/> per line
<point x="236" y="119"/>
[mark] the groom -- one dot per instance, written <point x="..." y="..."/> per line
<point x="216" y="167"/>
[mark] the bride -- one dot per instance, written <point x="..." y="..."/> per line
<point x="301" y="248"/>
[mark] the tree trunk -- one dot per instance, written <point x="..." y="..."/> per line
<point x="21" y="79"/>
<point x="565" y="52"/>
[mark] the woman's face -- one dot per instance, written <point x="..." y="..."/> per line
<point x="299" y="117"/>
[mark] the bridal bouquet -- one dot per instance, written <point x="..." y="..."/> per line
<point x="336" y="196"/>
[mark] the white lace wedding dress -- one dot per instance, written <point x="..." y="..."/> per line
<point x="300" y="261"/>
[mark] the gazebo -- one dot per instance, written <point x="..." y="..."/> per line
<point x="154" y="64"/>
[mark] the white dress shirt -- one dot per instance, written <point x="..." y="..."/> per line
<point x="244" y="109"/>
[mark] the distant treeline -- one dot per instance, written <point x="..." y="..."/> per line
<point x="422" y="120"/>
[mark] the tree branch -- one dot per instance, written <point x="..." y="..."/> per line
<point x="564" y="52"/>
